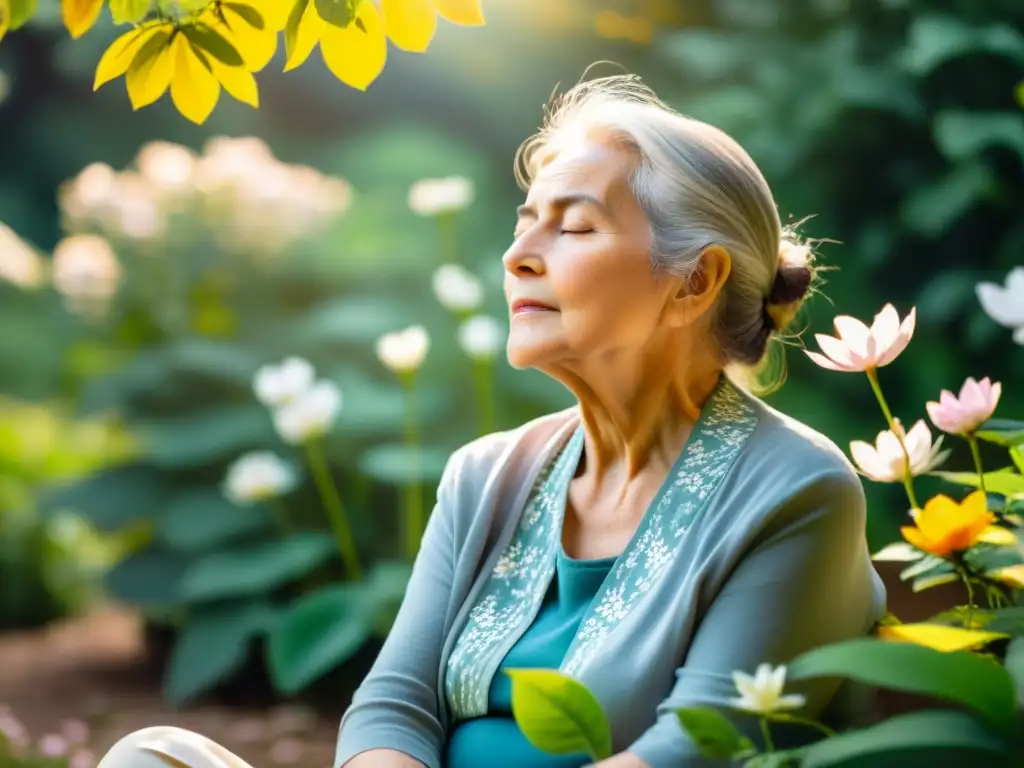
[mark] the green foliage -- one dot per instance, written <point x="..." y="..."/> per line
<point x="713" y="733"/>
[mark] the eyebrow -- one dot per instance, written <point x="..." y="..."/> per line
<point x="564" y="201"/>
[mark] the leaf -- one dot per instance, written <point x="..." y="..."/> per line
<point x="1009" y="619"/>
<point x="1006" y="482"/>
<point x="149" y="75"/>
<point x="111" y="498"/>
<point x="20" y="12"/>
<point x="250" y="15"/>
<point x="915" y="731"/>
<point x="898" y="552"/>
<point x="973" y="681"/>
<point x="927" y="564"/>
<point x="558" y="715"/>
<point x="1002" y="432"/>
<point x="256" y="569"/>
<point x="291" y="32"/>
<point x="356" y="55"/>
<point x="194" y="89"/>
<point x="210" y="41"/>
<point x="402" y="464"/>
<point x="129" y="11"/>
<point x="147" y="578"/>
<point x="933" y="208"/>
<point x="468" y="13"/>
<point x="116" y="59"/>
<point x="1014" y="663"/>
<point x="938" y="636"/>
<point x="202" y="518"/>
<point x="204" y="437"/>
<point x="935" y="39"/>
<point x="964" y="135"/>
<point x="321" y="631"/>
<point x="337" y="13"/>
<point x="922" y="583"/>
<point x="1017" y="454"/>
<point x="386" y="585"/>
<point x="712" y="732"/>
<point x="213" y="644"/>
<point x="80" y="15"/>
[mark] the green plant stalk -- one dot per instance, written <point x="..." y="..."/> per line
<point x="414" y="515"/>
<point x="972" y="441"/>
<point x="281" y="517"/>
<point x="908" y="478"/>
<point x="797" y="720"/>
<point x="448" y="239"/>
<point x="335" y="511"/>
<point x="766" y="734"/>
<point x="484" y="382"/>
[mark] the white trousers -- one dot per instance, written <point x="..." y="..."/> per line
<point x="165" y="746"/>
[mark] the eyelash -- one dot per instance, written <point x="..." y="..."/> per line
<point x="577" y="231"/>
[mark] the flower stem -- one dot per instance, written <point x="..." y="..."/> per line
<point x="797" y="720"/>
<point x="414" y="518"/>
<point x="335" y="511"/>
<point x="484" y="395"/>
<point x="447" y="235"/>
<point x="966" y="577"/>
<point x="908" y="477"/>
<point x="976" y="455"/>
<point x="766" y="733"/>
<point x="281" y="517"/>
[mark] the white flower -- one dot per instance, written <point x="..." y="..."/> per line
<point x="1005" y="303"/>
<point x="885" y="461"/>
<point x="481" y="337"/>
<point x="257" y="476"/>
<point x="84" y="266"/>
<point x="168" y="167"/>
<point x="310" y="414"/>
<point x="457" y="288"/>
<point x="404" y="351"/>
<point x="278" y="385"/>
<point x="19" y="263"/>
<point x="434" y="197"/>
<point x="762" y="693"/>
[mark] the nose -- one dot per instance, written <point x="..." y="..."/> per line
<point x="523" y="259"/>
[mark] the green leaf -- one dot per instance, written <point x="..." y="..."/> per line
<point x="256" y="569"/>
<point x="929" y="564"/>
<point x="1006" y="482"/>
<point x="915" y="731"/>
<point x="129" y="11"/>
<point x="210" y="41"/>
<point x="963" y="135"/>
<point x="148" y="578"/>
<point x="250" y="15"/>
<point x="204" y="437"/>
<point x="933" y="208"/>
<point x="1002" y="432"/>
<point x="1017" y="454"/>
<point x="974" y="681"/>
<point x="213" y="644"/>
<point x="558" y="715"/>
<point x="338" y="13"/>
<point x="21" y="11"/>
<point x="1009" y="619"/>
<point x="322" y="630"/>
<point x="385" y="585"/>
<point x="291" y="30"/>
<point x="935" y="39"/>
<point x="714" y="734"/>
<point x="1014" y="664"/>
<point x="111" y="498"/>
<point x="399" y="464"/>
<point x="199" y="519"/>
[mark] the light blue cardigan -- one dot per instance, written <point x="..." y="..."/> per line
<point x="754" y="551"/>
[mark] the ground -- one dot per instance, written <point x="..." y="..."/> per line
<point x="95" y="669"/>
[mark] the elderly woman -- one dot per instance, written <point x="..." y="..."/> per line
<point x="668" y="529"/>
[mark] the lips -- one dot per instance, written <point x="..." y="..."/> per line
<point x="523" y="306"/>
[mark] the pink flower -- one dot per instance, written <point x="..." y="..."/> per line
<point x="52" y="745"/>
<point x="885" y="461"/>
<point x="962" y="415"/>
<point x="75" y="731"/>
<point x="859" y="348"/>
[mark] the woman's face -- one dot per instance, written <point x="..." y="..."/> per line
<point x="582" y="248"/>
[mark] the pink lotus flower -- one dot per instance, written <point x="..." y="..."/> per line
<point x="962" y="415"/>
<point x="859" y="348"/>
<point x="886" y="462"/>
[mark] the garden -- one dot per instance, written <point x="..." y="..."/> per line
<point x="241" y="333"/>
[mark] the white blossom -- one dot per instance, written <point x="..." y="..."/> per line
<point x="19" y="263"/>
<point x="435" y="197"/>
<point x="278" y="385"/>
<point x="85" y="268"/>
<point x="762" y="693"/>
<point x="257" y="476"/>
<point x="1005" y="303"/>
<point x="481" y="336"/>
<point x="404" y="351"/>
<point x="457" y="288"/>
<point x="310" y="414"/>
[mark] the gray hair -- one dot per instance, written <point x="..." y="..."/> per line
<point x="698" y="187"/>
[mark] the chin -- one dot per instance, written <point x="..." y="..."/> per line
<point x="523" y="354"/>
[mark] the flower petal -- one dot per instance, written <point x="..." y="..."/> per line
<point x="410" y="24"/>
<point x="1000" y="304"/>
<point x="906" y="333"/>
<point x="468" y="13"/>
<point x="854" y="334"/>
<point x="790" y="701"/>
<point x="885" y="328"/>
<point x="824" y="362"/>
<point x="354" y="56"/>
<point x="866" y="458"/>
<point x="916" y="538"/>
<point x="834" y="348"/>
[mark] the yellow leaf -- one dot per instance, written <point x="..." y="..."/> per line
<point x="354" y="56"/>
<point x="995" y="534"/>
<point x="306" y="30"/>
<point x="80" y="15"/>
<point x="5" y="17"/>
<point x="257" y="46"/>
<point x="238" y="81"/>
<point x="938" y="636"/>
<point x="118" y="57"/>
<point x="274" y="12"/>
<point x="468" y="13"/>
<point x="194" y="89"/>
<point x="410" y="23"/>
<point x="149" y="74"/>
<point x="1012" y="575"/>
<point x="128" y="11"/>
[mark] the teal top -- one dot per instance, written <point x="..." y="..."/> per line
<point x="753" y="551"/>
<point x="543" y="645"/>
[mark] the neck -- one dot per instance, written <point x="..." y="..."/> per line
<point x="638" y="410"/>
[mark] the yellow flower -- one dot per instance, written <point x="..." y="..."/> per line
<point x="944" y="527"/>
<point x="411" y="24"/>
<point x="938" y="636"/>
<point x="80" y="15"/>
<point x="161" y="55"/>
<point x="355" y="54"/>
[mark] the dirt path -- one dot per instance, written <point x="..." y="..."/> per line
<point x="93" y="671"/>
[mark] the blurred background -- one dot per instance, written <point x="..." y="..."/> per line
<point x="149" y="268"/>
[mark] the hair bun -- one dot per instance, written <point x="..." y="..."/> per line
<point x="792" y="282"/>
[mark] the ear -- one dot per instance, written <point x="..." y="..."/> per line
<point x="695" y="297"/>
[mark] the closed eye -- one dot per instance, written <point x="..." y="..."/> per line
<point x="577" y="231"/>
